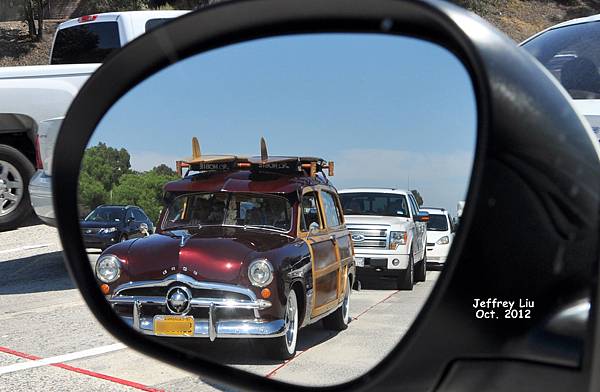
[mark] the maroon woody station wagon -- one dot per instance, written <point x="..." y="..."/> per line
<point x="245" y="247"/>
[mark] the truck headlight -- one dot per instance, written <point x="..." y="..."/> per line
<point x="108" y="268"/>
<point x="443" y="241"/>
<point x="260" y="272"/>
<point x="397" y="238"/>
<point x="107" y="230"/>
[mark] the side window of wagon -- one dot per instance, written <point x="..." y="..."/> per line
<point x="310" y="211"/>
<point x="332" y="213"/>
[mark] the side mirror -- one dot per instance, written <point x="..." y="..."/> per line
<point x="422" y="216"/>
<point x="313" y="228"/>
<point x="517" y="114"/>
<point x="130" y="219"/>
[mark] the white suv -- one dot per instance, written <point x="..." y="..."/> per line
<point x="440" y="234"/>
<point x="388" y="232"/>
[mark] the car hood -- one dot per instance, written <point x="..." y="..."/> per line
<point x="214" y="254"/>
<point x="97" y="225"/>
<point x="375" y="220"/>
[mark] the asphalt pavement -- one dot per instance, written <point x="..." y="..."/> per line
<point x="50" y="341"/>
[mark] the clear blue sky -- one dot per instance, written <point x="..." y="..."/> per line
<point x="388" y="110"/>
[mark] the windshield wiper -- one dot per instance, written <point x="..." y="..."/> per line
<point x="179" y="227"/>
<point x="267" y="227"/>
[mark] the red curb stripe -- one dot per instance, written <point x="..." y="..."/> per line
<point x="83" y="371"/>
<point x="377" y="303"/>
<point x="272" y="372"/>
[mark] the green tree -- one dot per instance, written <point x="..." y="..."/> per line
<point x="164" y="170"/>
<point x="144" y="190"/>
<point x="91" y="193"/>
<point x="106" y="164"/>
<point x="417" y="196"/>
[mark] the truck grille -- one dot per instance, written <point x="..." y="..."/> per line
<point x="373" y="237"/>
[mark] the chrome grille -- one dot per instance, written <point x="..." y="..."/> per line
<point x="374" y="237"/>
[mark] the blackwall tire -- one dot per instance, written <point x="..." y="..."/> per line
<point x="15" y="172"/>
<point x="421" y="269"/>
<point x="406" y="277"/>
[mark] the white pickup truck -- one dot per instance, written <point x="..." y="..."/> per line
<point x="389" y="234"/>
<point x="34" y="99"/>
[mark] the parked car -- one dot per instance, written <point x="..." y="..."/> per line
<point x="33" y="100"/>
<point x="440" y="235"/>
<point x="110" y="224"/>
<point x="388" y="232"/>
<point x="244" y="248"/>
<point x="571" y="52"/>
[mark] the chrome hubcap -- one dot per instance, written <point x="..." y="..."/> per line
<point x="11" y="188"/>
<point x="291" y="322"/>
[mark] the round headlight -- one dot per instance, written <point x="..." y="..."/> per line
<point x="108" y="268"/>
<point x="260" y="273"/>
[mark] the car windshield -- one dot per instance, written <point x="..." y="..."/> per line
<point x="380" y="204"/>
<point x="572" y="55"/>
<point x="437" y="222"/>
<point x="106" y="214"/>
<point x="221" y="208"/>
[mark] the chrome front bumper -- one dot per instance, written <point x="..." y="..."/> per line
<point x="212" y="327"/>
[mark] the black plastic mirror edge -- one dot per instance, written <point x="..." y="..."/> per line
<point x="471" y="39"/>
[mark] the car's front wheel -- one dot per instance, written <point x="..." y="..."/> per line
<point x="406" y="277"/>
<point x="15" y="172"/>
<point x="421" y="270"/>
<point x="284" y="347"/>
<point x="339" y="320"/>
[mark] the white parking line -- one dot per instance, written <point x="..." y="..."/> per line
<point x="25" y="248"/>
<point x="61" y="358"/>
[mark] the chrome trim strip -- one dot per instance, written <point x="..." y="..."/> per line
<point x="136" y="315"/>
<point x="223" y="329"/>
<point x="128" y="300"/>
<point x="308" y="308"/>
<point x="259" y="304"/>
<point x="187" y="280"/>
<point x="212" y="325"/>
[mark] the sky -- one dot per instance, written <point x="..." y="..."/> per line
<point x="390" y="111"/>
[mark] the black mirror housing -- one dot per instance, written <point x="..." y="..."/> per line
<point x="530" y="142"/>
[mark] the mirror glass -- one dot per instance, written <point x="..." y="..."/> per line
<point x="282" y="205"/>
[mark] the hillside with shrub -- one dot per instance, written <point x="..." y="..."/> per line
<point x="519" y="19"/>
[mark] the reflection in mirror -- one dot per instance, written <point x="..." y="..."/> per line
<point x="250" y="252"/>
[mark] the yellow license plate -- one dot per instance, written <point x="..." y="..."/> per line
<point x="174" y="325"/>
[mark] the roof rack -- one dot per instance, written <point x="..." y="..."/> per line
<point x="264" y="163"/>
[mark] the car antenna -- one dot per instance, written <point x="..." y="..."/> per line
<point x="264" y="156"/>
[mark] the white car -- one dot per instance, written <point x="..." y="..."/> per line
<point x="571" y="52"/>
<point x="388" y="232"/>
<point x="440" y="234"/>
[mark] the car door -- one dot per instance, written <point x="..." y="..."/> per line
<point x="141" y="221"/>
<point x="339" y="236"/>
<point x="322" y="250"/>
<point x="131" y="227"/>
<point x="420" y="229"/>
